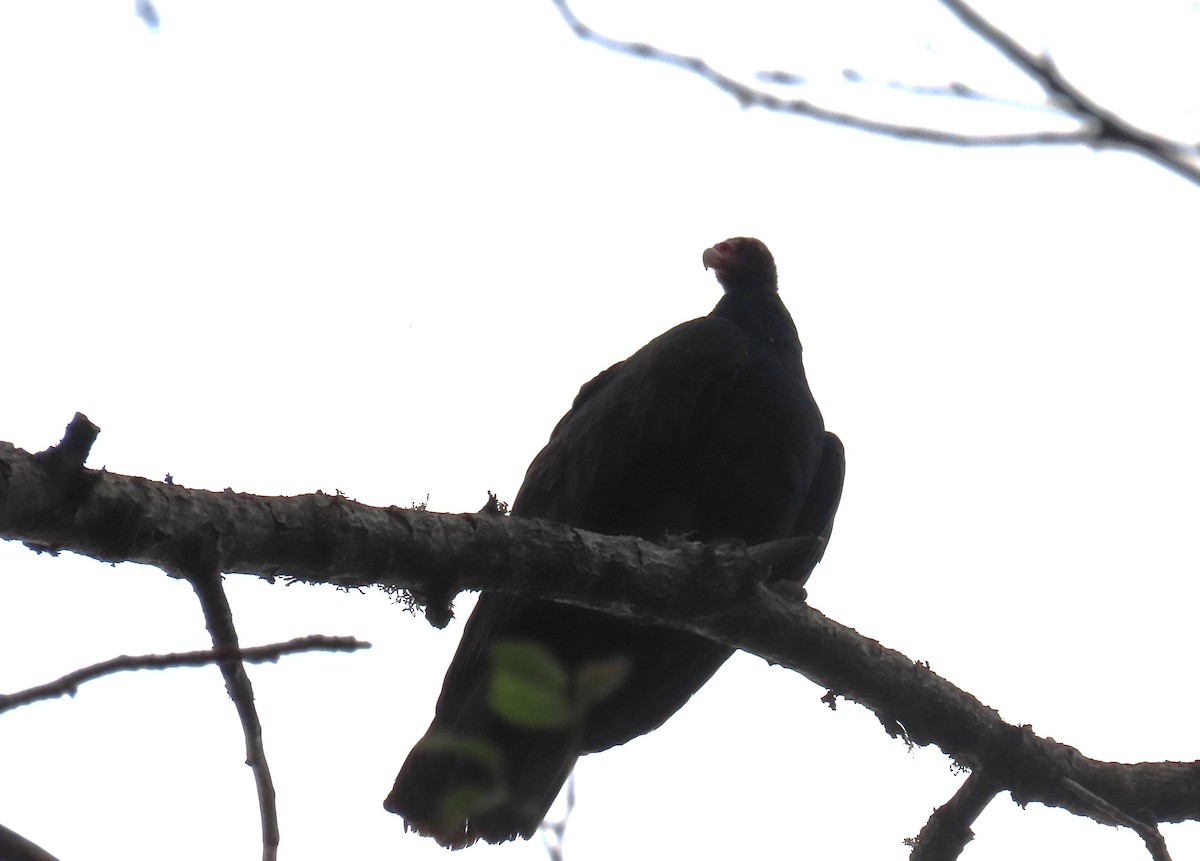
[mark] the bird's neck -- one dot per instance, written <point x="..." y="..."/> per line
<point x="762" y="316"/>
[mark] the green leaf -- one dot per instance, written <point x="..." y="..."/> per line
<point x="464" y="802"/>
<point x="528" y="685"/>
<point x="598" y="680"/>
<point x="478" y="750"/>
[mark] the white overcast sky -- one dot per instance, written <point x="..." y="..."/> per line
<point x="376" y="247"/>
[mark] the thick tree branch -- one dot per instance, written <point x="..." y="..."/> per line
<point x="1097" y="127"/>
<point x="721" y="591"/>
<point x="68" y="685"/>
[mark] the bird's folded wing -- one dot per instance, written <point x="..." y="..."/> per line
<point x="633" y="420"/>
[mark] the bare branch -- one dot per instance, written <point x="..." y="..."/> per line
<point x="1098" y="128"/>
<point x="1107" y="129"/>
<point x="948" y="830"/>
<point x="749" y="97"/>
<point x="1148" y="832"/>
<point x="554" y="832"/>
<point x="194" y="558"/>
<point x="204" y="575"/>
<point x="720" y="591"/>
<point x="69" y="684"/>
<point x="71" y="453"/>
<point x="954" y="90"/>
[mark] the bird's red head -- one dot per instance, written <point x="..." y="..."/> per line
<point x="743" y="265"/>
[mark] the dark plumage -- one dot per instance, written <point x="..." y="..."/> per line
<point x="708" y="431"/>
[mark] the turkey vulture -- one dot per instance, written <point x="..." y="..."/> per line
<point x="709" y="432"/>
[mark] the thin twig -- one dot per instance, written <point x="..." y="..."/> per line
<point x="954" y="90"/>
<point x="748" y="96"/>
<point x="1108" y="130"/>
<point x="218" y="617"/>
<point x="1098" y="128"/>
<point x="69" y="684"/>
<point x="553" y="833"/>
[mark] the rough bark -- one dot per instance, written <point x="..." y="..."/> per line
<point x="720" y="591"/>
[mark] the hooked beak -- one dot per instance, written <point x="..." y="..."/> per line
<point x="712" y="258"/>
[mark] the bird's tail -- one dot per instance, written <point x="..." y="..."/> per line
<point x="459" y="789"/>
